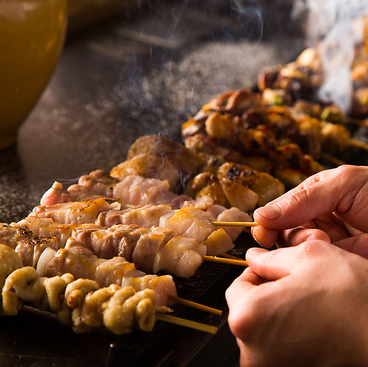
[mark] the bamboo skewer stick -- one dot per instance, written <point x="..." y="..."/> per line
<point x="361" y="123"/>
<point x="332" y="159"/>
<point x="235" y="224"/>
<point x="187" y="323"/>
<point x="195" y="305"/>
<point x="225" y="254"/>
<point x="224" y="260"/>
<point x="358" y="144"/>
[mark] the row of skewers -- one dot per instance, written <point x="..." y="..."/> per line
<point x="114" y="243"/>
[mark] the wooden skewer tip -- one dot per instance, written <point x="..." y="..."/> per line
<point x="358" y="144"/>
<point x="224" y="260"/>
<point x="196" y="305"/>
<point x="235" y="224"/>
<point x="187" y="323"/>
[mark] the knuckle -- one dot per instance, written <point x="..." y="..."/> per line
<point x="312" y="248"/>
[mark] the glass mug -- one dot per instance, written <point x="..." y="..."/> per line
<point x="32" y="34"/>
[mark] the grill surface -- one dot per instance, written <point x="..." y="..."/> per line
<point x="140" y="73"/>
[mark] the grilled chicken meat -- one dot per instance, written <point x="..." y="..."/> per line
<point x="79" y="261"/>
<point x="81" y="303"/>
<point x="148" y="166"/>
<point x="74" y="212"/>
<point x="131" y="190"/>
<point x="186" y="162"/>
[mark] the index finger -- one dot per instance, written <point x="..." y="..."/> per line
<point x="326" y="192"/>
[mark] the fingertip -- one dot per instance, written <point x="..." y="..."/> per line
<point x="264" y="236"/>
<point x="361" y="246"/>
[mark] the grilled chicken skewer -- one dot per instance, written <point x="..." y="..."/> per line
<point x="81" y="303"/>
<point x="151" y="249"/>
<point x="45" y="255"/>
<point x="173" y="249"/>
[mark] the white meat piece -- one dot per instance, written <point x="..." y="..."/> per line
<point x="189" y="222"/>
<point x="181" y="256"/>
<point x="76" y="212"/>
<point x="149" y="166"/>
<point x="233" y="215"/>
<point x="78" y="261"/>
<point x="145" y="216"/>
<point x="215" y="210"/>
<point x="135" y="243"/>
<point x="47" y="227"/>
<point x="56" y="194"/>
<point x="132" y="190"/>
<point x="30" y="250"/>
<point x="137" y="190"/>
<point x="218" y="242"/>
<point x="10" y="235"/>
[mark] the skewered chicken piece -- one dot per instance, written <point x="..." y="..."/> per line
<point x="186" y="162"/>
<point x="131" y="190"/>
<point x="74" y="212"/>
<point x="57" y="195"/>
<point x="149" y="166"/>
<point x="301" y="78"/>
<point x="80" y="303"/>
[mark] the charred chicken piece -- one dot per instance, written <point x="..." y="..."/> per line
<point x="74" y="212"/>
<point x="186" y="162"/>
<point x="148" y="166"/>
<point x="131" y="190"/>
<point x="264" y="185"/>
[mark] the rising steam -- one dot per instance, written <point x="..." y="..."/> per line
<point x="340" y="22"/>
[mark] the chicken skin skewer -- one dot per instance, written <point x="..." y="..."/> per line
<point x="81" y="303"/>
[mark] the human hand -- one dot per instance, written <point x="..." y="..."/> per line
<point x="332" y="202"/>
<point x="301" y="306"/>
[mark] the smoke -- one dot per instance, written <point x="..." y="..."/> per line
<point x="337" y="27"/>
<point x="250" y="15"/>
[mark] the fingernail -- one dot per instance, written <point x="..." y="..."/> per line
<point x="271" y="211"/>
<point x="255" y="250"/>
<point x="361" y="246"/>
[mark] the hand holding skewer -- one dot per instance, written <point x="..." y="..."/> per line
<point x="317" y="225"/>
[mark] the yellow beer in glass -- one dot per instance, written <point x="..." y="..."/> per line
<point x="32" y="34"/>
